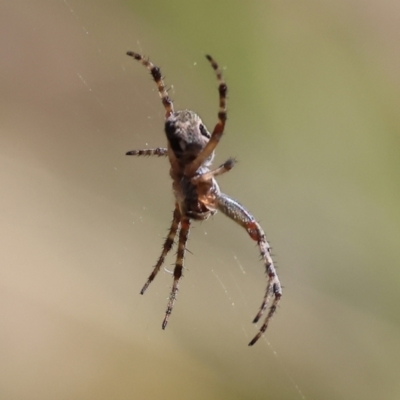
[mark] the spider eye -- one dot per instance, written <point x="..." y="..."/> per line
<point x="204" y="131"/>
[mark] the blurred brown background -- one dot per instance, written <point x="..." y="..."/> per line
<point x="314" y="121"/>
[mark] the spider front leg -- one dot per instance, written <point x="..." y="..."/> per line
<point x="239" y="214"/>
<point x="169" y="241"/>
<point x="207" y="176"/>
<point x="156" y="74"/>
<point x="159" y="151"/>
<point x="183" y="236"/>
<point x="219" y="127"/>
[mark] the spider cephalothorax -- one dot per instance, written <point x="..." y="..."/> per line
<point x="197" y="195"/>
<point x="187" y="136"/>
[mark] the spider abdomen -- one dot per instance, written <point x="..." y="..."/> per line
<point x="196" y="200"/>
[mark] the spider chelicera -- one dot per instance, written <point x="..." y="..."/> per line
<point x="197" y="195"/>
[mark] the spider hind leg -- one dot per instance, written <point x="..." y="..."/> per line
<point x="239" y="214"/>
<point x="169" y="242"/>
<point x="183" y="237"/>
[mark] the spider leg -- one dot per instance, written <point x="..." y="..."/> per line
<point x="159" y="151"/>
<point x="225" y="167"/>
<point x="239" y="214"/>
<point x="183" y="236"/>
<point x="169" y="241"/>
<point x="158" y="79"/>
<point x="219" y="127"/>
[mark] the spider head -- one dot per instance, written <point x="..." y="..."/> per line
<point x="187" y="135"/>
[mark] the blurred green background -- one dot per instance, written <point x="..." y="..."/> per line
<point x="314" y="121"/>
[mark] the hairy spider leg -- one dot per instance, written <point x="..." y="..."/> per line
<point x="219" y="127"/>
<point x="169" y="242"/>
<point x="239" y="214"/>
<point x="183" y="237"/>
<point x="159" y="151"/>
<point x="156" y="74"/>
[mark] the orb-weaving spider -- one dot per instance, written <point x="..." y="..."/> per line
<point x="197" y="195"/>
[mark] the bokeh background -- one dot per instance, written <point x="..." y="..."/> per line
<point x="314" y="97"/>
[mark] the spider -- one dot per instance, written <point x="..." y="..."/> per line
<point x="197" y="195"/>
